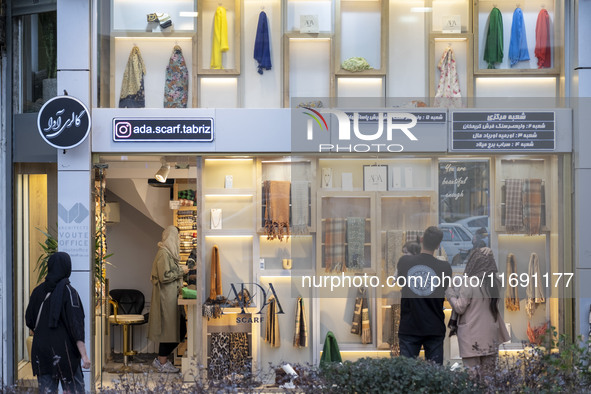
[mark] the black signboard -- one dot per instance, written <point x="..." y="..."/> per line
<point x="64" y="122"/>
<point x="507" y="131"/>
<point x="162" y="129"/>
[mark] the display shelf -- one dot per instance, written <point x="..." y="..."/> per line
<point x="530" y="9"/>
<point x="230" y="59"/>
<point x="132" y="16"/>
<point x="443" y="11"/>
<point x="294" y="9"/>
<point x="185" y="218"/>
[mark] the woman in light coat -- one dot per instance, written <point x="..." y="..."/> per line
<point x="165" y="325"/>
<point x="481" y="328"/>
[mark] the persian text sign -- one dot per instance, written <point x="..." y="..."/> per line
<point x="506" y="131"/>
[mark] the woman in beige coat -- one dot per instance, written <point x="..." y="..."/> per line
<point x="165" y="325"/>
<point x="481" y="328"/>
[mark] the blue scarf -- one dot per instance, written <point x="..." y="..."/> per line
<point x="262" y="53"/>
<point x="518" y="45"/>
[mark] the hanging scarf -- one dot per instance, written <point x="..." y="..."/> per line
<point x="219" y="38"/>
<point x="449" y="85"/>
<point x="536" y="334"/>
<point x="330" y="351"/>
<point x="300" y="337"/>
<point x="334" y="244"/>
<point x="394" y="344"/>
<point x="300" y="214"/>
<point x="272" y="326"/>
<point x="276" y="197"/>
<point x="356" y="323"/>
<point x="493" y="49"/>
<point x="532" y="205"/>
<point x="239" y="357"/>
<point x="513" y="205"/>
<point x="262" y="52"/>
<point x="518" y="45"/>
<point x="215" y="282"/>
<point x="355" y="243"/>
<point x="361" y="325"/>
<point x="394" y="243"/>
<point x="413" y="236"/>
<point x="543" y="51"/>
<point x="511" y="295"/>
<point x="59" y="268"/>
<point x="535" y="294"/>
<point x="176" y="88"/>
<point x="132" y="87"/>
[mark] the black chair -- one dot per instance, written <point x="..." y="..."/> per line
<point x="128" y="305"/>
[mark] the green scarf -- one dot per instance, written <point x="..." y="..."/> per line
<point x="493" y="50"/>
<point x="331" y="351"/>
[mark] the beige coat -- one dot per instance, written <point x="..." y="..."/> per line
<point x="167" y="279"/>
<point x="478" y="332"/>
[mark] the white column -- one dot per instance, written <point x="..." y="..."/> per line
<point x="74" y="165"/>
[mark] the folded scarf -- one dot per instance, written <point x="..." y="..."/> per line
<point x="493" y="48"/>
<point x="330" y="351"/>
<point x="511" y="292"/>
<point x="219" y="42"/>
<point x="300" y="338"/>
<point x="132" y="87"/>
<point x="543" y="51"/>
<point x="355" y="243"/>
<point x="535" y="294"/>
<point x="513" y="205"/>
<point x="300" y="213"/>
<point x="215" y="282"/>
<point x="262" y="53"/>
<point x="518" y="45"/>
<point x="532" y="205"/>
<point x="176" y="87"/>
<point x="277" y="194"/>
<point x="272" y="325"/>
<point x="334" y="244"/>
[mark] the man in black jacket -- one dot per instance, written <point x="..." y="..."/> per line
<point x="421" y="307"/>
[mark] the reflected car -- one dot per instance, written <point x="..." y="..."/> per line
<point x="457" y="242"/>
<point x="476" y="225"/>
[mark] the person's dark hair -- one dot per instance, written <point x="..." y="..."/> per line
<point x="494" y="299"/>
<point x="411" y="247"/>
<point x="432" y="238"/>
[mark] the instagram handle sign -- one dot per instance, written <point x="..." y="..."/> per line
<point x="163" y="129"/>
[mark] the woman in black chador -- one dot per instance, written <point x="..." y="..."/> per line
<point x="56" y="317"/>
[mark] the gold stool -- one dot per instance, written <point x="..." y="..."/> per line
<point x="125" y="321"/>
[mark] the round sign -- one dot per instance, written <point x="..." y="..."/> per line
<point x="64" y="122"/>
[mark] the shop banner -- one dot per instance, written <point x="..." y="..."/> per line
<point x="503" y="131"/>
<point x="163" y="129"/>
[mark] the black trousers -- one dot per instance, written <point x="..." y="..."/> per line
<point x="166" y="348"/>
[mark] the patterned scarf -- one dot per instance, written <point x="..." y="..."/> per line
<point x="394" y="344"/>
<point x="518" y="45"/>
<point x="276" y="195"/>
<point x="511" y="294"/>
<point x="334" y="244"/>
<point x="361" y="324"/>
<point x="543" y="51"/>
<point x="532" y="205"/>
<point x="132" y="87"/>
<point x="493" y="48"/>
<point x="355" y="243"/>
<point x="449" y="84"/>
<point x="176" y="88"/>
<point x="300" y="214"/>
<point x="413" y="236"/>
<point x="300" y="338"/>
<point x="535" y="294"/>
<point x="513" y="205"/>
<point x="394" y="243"/>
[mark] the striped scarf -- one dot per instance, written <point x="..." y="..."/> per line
<point x="355" y="243"/>
<point x="513" y="205"/>
<point x="334" y="244"/>
<point x="532" y="205"/>
<point x="272" y="326"/>
<point x="511" y="294"/>
<point x="300" y="338"/>
<point x="535" y="294"/>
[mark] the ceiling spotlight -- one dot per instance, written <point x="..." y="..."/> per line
<point x="162" y="173"/>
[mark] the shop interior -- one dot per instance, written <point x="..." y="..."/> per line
<point x="226" y="209"/>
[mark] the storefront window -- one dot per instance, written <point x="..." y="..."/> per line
<point x="35" y="56"/>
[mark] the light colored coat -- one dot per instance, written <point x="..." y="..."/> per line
<point x="167" y="280"/>
<point x="478" y="332"/>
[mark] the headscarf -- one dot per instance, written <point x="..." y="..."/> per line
<point x="170" y="242"/>
<point x="480" y="264"/>
<point x="518" y="44"/>
<point x="59" y="268"/>
<point x="493" y="48"/>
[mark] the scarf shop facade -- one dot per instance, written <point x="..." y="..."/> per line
<point x="298" y="176"/>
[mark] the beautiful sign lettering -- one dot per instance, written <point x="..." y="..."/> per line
<point x="64" y="122"/>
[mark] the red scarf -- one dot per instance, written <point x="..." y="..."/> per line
<point x="543" y="51"/>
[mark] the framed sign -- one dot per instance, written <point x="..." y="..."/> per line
<point x="375" y="178"/>
<point x="309" y="24"/>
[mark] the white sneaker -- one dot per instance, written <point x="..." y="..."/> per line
<point x="165" y="368"/>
